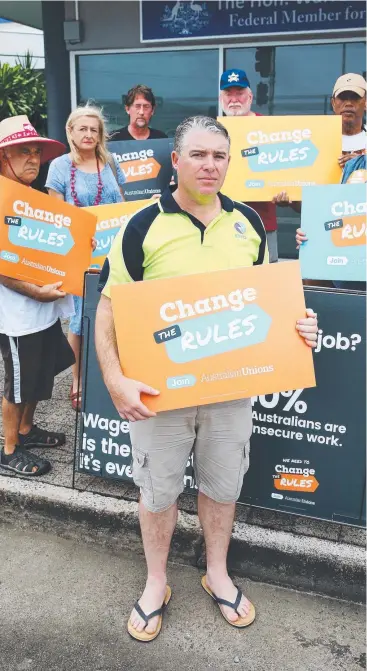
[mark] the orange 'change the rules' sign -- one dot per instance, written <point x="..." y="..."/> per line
<point x="110" y="219"/>
<point x="214" y="337"/>
<point x="42" y="239"/>
<point x="281" y="153"/>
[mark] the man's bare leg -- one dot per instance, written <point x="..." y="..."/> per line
<point x="12" y="416"/>
<point x="27" y="418"/>
<point x="156" y="531"/>
<point x="217" y="522"/>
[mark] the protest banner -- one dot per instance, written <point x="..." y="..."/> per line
<point x="42" y="239"/>
<point x="274" y="154"/>
<point x="334" y="220"/>
<point x="146" y="164"/>
<point x="308" y="445"/>
<point x="215" y="336"/>
<point x="290" y="428"/>
<point x="104" y="447"/>
<point x="110" y="218"/>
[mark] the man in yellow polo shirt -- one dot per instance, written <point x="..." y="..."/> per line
<point x="192" y="229"/>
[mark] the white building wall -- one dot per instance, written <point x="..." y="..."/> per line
<point x="16" y="40"/>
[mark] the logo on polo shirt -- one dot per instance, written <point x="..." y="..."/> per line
<point x="240" y="227"/>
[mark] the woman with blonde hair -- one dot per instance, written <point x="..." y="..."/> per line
<point x="89" y="175"/>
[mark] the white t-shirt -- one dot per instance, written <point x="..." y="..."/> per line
<point x="355" y="142"/>
<point x="21" y="315"/>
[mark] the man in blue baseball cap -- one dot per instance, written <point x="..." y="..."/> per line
<point x="236" y="99"/>
<point x="236" y="95"/>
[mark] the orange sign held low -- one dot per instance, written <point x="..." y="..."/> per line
<point x="214" y="337"/>
<point x="110" y="218"/>
<point x="42" y="239"/>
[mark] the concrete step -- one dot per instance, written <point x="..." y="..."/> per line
<point x="307" y="563"/>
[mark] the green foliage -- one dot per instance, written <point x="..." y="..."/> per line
<point x="23" y="91"/>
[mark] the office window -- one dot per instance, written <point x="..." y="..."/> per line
<point x="296" y="79"/>
<point x="304" y="78"/>
<point x="184" y="83"/>
<point x="355" y="58"/>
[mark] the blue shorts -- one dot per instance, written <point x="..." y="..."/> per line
<point x="75" y="324"/>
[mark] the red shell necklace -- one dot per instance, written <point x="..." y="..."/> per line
<point x="73" y="189"/>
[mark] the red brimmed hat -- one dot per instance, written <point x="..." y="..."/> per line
<point x="19" y="130"/>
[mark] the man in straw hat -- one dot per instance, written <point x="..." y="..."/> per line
<point x="32" y="342"/>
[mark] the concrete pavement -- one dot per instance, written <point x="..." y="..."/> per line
<point x="64" y="606"/>
<point x="312" y="555"/>
<point x="288" y="559"/>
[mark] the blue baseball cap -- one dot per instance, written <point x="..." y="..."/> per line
<point x="234" y="77"/>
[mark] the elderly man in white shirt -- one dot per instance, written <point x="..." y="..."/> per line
<point x="32" y="342"/>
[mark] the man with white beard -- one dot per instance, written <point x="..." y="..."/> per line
<point x="236" y="99"/>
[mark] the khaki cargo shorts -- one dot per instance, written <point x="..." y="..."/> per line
<point x="218" y="436"/>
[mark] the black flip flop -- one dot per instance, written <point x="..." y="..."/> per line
<point x="143" y="636"/>
<point x="241" y="622"/>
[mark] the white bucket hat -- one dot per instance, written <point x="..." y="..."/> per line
<point x="18" y="130"/>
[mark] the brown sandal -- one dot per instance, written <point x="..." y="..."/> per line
<point x="76" y="399"/>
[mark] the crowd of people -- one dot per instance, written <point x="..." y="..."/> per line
<point x="35" y="349"/>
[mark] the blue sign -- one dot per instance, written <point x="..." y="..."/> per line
<point x="334" y="220"/>
<point x="41" y="236"/>
<point x="282" y="155"/>
<point x="214" y="334"/>
<point x="162" y="21"/>
<point x="104" y="240"/>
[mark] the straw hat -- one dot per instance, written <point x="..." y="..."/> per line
<point x="18" y="130"/>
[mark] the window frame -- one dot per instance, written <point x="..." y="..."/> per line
<point x="74" y="54"/>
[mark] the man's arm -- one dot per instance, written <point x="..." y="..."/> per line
<point x="24" y="288"/>
<point x="45" y="294"/>
<point x="106" y="344"/>
<point x="125" y="393"/>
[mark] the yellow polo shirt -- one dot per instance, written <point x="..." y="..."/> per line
<point x="163" y="241"/>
